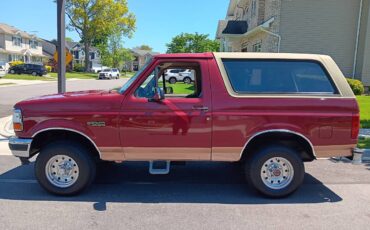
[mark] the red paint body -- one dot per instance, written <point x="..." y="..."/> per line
<point x="132" y="122"/>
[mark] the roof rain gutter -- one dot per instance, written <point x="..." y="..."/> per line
<point x="357" y="40"/>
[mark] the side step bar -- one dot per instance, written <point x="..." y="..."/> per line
<point x="159" y="167"/>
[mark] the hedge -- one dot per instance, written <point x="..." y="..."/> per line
<point x="356" y="86"/>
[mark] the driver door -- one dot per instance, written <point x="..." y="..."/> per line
<point x="174" y="128"/>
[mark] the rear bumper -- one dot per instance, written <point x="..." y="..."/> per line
<point x="20" y="147"/>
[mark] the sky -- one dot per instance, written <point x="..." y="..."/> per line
<point x="156" y="21"/>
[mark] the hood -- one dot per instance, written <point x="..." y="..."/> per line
<point x="79" y="101"/>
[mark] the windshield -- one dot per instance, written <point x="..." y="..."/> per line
<point x="106" y="70"/>
<point x="132" y="79"/>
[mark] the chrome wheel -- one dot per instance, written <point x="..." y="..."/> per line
<point x="62" y="171"/>
<point x="277" y="173"/>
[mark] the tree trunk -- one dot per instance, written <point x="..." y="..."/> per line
<point x="87" y="56"/>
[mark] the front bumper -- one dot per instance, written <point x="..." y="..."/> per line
<point x="20" y="147"/>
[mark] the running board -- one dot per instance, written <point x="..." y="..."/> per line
<point x="159" y="167"/>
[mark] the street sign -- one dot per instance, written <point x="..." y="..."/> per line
<point x="69" y="57"/>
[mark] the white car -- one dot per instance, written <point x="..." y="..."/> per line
<point x="109" y="74"/>
<point x="175" y="75"/>
<point x="3" y="70"/>
<point x="187" y="76"/>
<point x="98" y="69"/>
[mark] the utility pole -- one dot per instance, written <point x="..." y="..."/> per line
<point x="61" y="6"/>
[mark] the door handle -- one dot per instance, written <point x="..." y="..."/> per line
<point x="201" y="108"/>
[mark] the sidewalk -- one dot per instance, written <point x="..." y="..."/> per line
<point x="12" y="82"/>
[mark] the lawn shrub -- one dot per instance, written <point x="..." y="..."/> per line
<point x="356" y="86"/>
<point x="14" y="63"/>
<point x="78" y="67"/>
<point x="48" y="68"/>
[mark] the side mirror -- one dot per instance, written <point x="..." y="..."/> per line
<point x="158" y="95"/>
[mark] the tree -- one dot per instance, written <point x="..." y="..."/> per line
<point x="112" y="52"/>
<point x="68" y="39"/>
<point x="144" y="47"/>
<point x="192" y="43"/>
<point x="98" y="18"/>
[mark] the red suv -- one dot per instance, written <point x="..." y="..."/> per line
<point x="272" y="112"/>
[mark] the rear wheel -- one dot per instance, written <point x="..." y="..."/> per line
<point x="187" y="80"/>
<point x="64" y="168"/>
<point x="275" y="171"/>
<point x="12" y="71"/>
<point x="34" y="74"/>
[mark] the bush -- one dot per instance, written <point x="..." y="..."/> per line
<point x="356" y="86"/>
<point x="14" y="63"/>
<point x="78" y="67"/>
<point x="48" y="68"/>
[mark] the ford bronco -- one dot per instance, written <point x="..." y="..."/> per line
<point x="270" y="112"/>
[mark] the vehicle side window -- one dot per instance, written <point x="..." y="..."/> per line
<point x="187" y="85"/>
<point x="278" y="77"/>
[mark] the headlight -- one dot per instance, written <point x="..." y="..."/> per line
<point x="17" y="120"/>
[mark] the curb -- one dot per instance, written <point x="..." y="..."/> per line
<point x="6" y="129"/>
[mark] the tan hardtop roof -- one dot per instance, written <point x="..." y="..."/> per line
<point x="255" y="55"/>
<point x="329" y="64"/>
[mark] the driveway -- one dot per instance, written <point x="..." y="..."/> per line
<point x="335" y="195"/>
<point x="12" y="94"/>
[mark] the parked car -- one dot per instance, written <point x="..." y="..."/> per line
<point x="109" y="74"/>
<point x="33" y="69"/>
<point x="187" y="76"/>
<point x="2" y="70"/>
<point x="271" y="112"/>
<point x="96" y="69"/>
<point x="173" y="75"/>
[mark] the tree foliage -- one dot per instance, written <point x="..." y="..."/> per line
<point x="95" y="20"/>
<point x="192" y="43"/>
<point x="112" y="53"/>
<point x="144" y="47"/>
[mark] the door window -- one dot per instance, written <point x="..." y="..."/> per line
<point x="188" y="87"/>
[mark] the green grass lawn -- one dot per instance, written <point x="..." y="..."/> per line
<point x="77" y="75"/>
<point x="53" y="76"/>
<point x="364" y="144"/>
<point x="179" y="87"/>
<point x="364" y="103"/>
<point x="26" y="77"/>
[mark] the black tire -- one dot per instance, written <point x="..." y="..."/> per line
<point x="12" y="71"/>
<point x="254" y="164"/>
<point x="187" y="80"/>
<point x="172" y="80"/>
<point x="34" y="74"/>
<point x="85" y="162"/>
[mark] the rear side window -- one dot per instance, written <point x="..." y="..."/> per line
<point x="278" y="77"/>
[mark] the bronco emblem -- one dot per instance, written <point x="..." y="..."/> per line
<point x="96" y="123"/>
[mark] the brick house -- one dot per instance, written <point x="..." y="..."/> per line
<point x="339" y="28"/>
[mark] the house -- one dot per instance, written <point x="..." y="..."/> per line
<point x="339" y="28"/>
<point x="17" y="45"/>
<point x="78" y="51"/>
<point x="140" y="58"/>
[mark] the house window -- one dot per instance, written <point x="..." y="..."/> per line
<point x="257" y="47"/>
<point x="34" y="44"/>
<point x="92" y="55"/>
<point x="254" y="7"/>
<point x="17" y="41"/>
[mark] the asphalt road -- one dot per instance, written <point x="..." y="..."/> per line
<point x="13" y="94"/>
<point x="335" y="195"/>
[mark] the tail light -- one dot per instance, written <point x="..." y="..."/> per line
<point x="355" y="126"/>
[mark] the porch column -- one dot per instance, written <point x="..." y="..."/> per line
<point x="61" y="46"/>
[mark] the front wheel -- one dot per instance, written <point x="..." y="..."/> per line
<point x="275" y="171"/>
<point x="34" y="74"/>
<point x="64" y="168"/>
<point x="12" y="71"/>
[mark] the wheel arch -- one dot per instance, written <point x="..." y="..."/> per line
<point x="280" y="136"/>
<point x="45" y="136"/>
